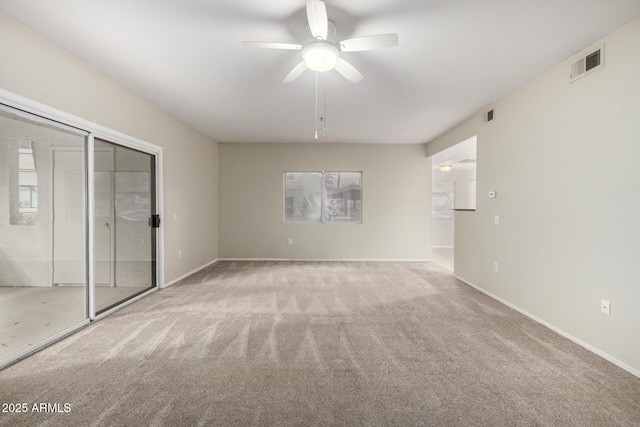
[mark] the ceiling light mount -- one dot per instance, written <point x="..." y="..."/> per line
<point x="445" y="168"/>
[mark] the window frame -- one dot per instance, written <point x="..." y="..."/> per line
<point x="322" y="173"/>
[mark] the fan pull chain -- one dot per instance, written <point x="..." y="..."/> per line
<point x="321" y="121"/>
<point x="324" y="102"/>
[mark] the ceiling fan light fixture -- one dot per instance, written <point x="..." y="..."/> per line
<point x="320" y="56"/>
<point x="322" y="52"/>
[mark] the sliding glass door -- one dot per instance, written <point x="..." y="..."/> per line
<point x="43" y="193"/>
<point x="125" y="233"/>
<point x="78" y="227"/>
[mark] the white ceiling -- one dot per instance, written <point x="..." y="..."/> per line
<point x="454" y="58"/>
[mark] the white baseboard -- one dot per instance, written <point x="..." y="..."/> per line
<point x="554" y="328"/>
<point x="325" y="259"/>
<point x="195" y="270"/>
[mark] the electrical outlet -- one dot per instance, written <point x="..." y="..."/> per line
<point x="179" y="253"/>
<point x="291" y="241"/>
<point x="496" y="220"/>
<point x="495" y="266"/>
<point x="605" y="307"/>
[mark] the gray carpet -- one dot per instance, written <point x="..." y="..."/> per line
<point x="319" y="343"/>
<point x="30" y="314"/>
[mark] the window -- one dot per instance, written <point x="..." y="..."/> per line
<point x="28" y="198"/>
<point x="303" y="196"/>
<point x="342" y="197"/>
<point x="323" y="197"/>
<point x="443" y="196"/>
<point x="27" y="181"/>
<point x="23" y="195"/>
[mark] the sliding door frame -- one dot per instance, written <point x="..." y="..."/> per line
<point x="92" y="131"/>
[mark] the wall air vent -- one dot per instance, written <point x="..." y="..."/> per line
<point x="586" y="63"/>
<point x="467" y="161"/>
<point x="593" y="60"/>
<point x="488" y="116"/>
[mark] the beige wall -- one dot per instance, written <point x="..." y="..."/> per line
<point x="37" y="69"/>
<point x="396" y="202"/>
<point x="563" y="159"/>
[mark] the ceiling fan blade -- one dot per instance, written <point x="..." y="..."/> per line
<point x="317" y="17"/>
<point x="295" y="73"/>
<point x="348" y="71"/>
<point x="267" y="45"/>
<point x="378" y="41"/>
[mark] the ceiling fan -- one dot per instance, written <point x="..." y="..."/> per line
<point x="322" y="52"/>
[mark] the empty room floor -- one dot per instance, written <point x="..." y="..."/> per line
<point x="320" y="343"/>
<point x="32" y="314"/>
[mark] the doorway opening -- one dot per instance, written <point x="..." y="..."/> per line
<point x="453" y="190"/>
